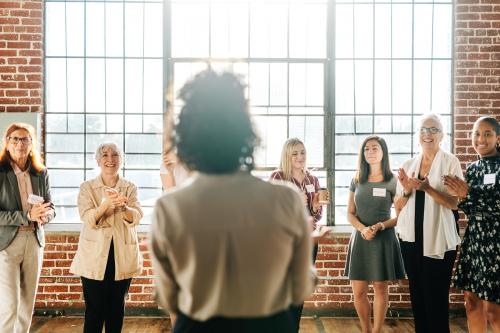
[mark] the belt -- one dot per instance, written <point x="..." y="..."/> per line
<point x="27" y="228"/>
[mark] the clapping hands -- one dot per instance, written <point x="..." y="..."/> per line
<point x="113" y="199"/>
<point x="456" y="186"/>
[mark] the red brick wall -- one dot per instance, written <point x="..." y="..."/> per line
<point x="59" y="289"/>
<point x="477" y="92"/>
<point x="21" y="56"/>
<point x="477" y="72"/>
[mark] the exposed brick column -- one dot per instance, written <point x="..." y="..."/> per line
<point x="477" y="69"/>
<point x="21" y="69"/>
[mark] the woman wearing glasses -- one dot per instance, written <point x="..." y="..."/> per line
<point x="25" y="206"/>
<point x="427" y="227"/>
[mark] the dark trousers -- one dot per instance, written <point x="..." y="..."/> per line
<point x="280" y="322"/>
<point x="429" y="281"/>
<point x="105" y="300"/>
<point x="296" y="310"/>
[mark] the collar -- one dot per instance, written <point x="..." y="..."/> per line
<point x="97" y="182"/>
<point x="17" y="170"/>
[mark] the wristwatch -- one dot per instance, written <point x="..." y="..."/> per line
<point x="406" y="195"/>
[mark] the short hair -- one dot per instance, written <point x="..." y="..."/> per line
<point x="104" y="145"/>
<point x="34" y="154"/>
<point x="214" y="133"/>
<point x="363" y="170"/>
<point x="432" y="116"/>
<point x="286" y="157"/>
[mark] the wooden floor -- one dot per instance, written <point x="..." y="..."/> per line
<point x="162" y="325"/>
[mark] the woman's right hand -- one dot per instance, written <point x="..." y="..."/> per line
<point x="38" y="212"/>
<point x="405" y="181"/>
<point x="368" y="233"/>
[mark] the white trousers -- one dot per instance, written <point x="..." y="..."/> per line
<point x="20" y="266"/>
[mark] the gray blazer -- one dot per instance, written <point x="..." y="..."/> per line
<point x="11" y="213"/>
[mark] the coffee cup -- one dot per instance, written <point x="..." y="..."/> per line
<point x="323" y="196"/>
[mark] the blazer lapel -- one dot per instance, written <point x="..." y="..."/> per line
<point x="13" y="183"/>
<point x="35" y="184"/>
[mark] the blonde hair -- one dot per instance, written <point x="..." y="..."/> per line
<point x="286" y="158"/>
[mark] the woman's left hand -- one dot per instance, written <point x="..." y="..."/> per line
<point x="421" y="185"/>
<point x="315" y="202"/>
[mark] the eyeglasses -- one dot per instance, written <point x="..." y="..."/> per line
<point x="431" y="130"/>
<point x="15" y="140"/>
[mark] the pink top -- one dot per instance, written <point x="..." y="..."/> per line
<point x="303" y="187"/>
<point x="24" y="184"/>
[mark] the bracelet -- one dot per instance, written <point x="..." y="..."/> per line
<point x="406" y="195"/>
<point x="382" y="225"/>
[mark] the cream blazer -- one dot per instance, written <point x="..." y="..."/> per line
<point x="231" y="245"/>
<point x="96" y="235"/>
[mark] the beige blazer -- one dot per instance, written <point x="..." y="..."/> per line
<point x="95" y="237"/>
<point x="231" y="245"/>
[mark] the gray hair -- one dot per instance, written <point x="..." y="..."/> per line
<point x="434" y="117"/>
<point x="104" y="145"/>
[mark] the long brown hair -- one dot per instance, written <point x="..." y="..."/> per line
<point x="34" y="155"/>
<point x="364" y="168"/>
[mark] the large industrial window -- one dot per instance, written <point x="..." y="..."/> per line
<point x="104" y="82"/>
<point x="327" y="72"/>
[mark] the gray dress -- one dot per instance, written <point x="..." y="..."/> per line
<point x="378" y="259"/>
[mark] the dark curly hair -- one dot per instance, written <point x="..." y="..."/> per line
<point x="214" y="133"/>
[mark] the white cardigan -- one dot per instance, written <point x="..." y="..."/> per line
<point x="440" y="233"/>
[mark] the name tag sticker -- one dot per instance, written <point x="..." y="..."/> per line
<point x="310" y="188"/>
<point x="35" y="199"/>
<point x="489" y="178"/>
<point x="379" y="192"/>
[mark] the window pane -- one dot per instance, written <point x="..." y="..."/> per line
<point x="401" y="31"/>
<point x="382" y="41"/>
<point x="74" y="29"/>
<point x="153" y="30"/>
<point x="441" y="86"/>
<point x="55" y="85"/>
<point x="422" y="86"/>
<point x="363" y="31"/>
<point x="344" y="42"/>
<point x="95" y="86"/>
<point x="310" y="130"/>
<point x="363" y="86"/>
<point x="401" y="86"/>
<point x="114" y="30"/>
<point x="442" y="32"/>
<point x="94" y="39"/>
<point x="273" y="133"/>
<point x="190" y="30"/>
<point x="229" y="30"/>
<point x="306" y="84"/>
<point x="75" y="88"/>
<point x="134" y="33"/>
<point x="423" y="31"/>
<point x="382" y="96"/>
<point x="308" y="30"/>
<point x="344" y="86"/>
<point x="268" y="29"/>
<point x="55" y="29"/>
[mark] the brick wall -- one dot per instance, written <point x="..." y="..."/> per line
<point x="477" y="92"/>
<point x="21" y="56"/>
